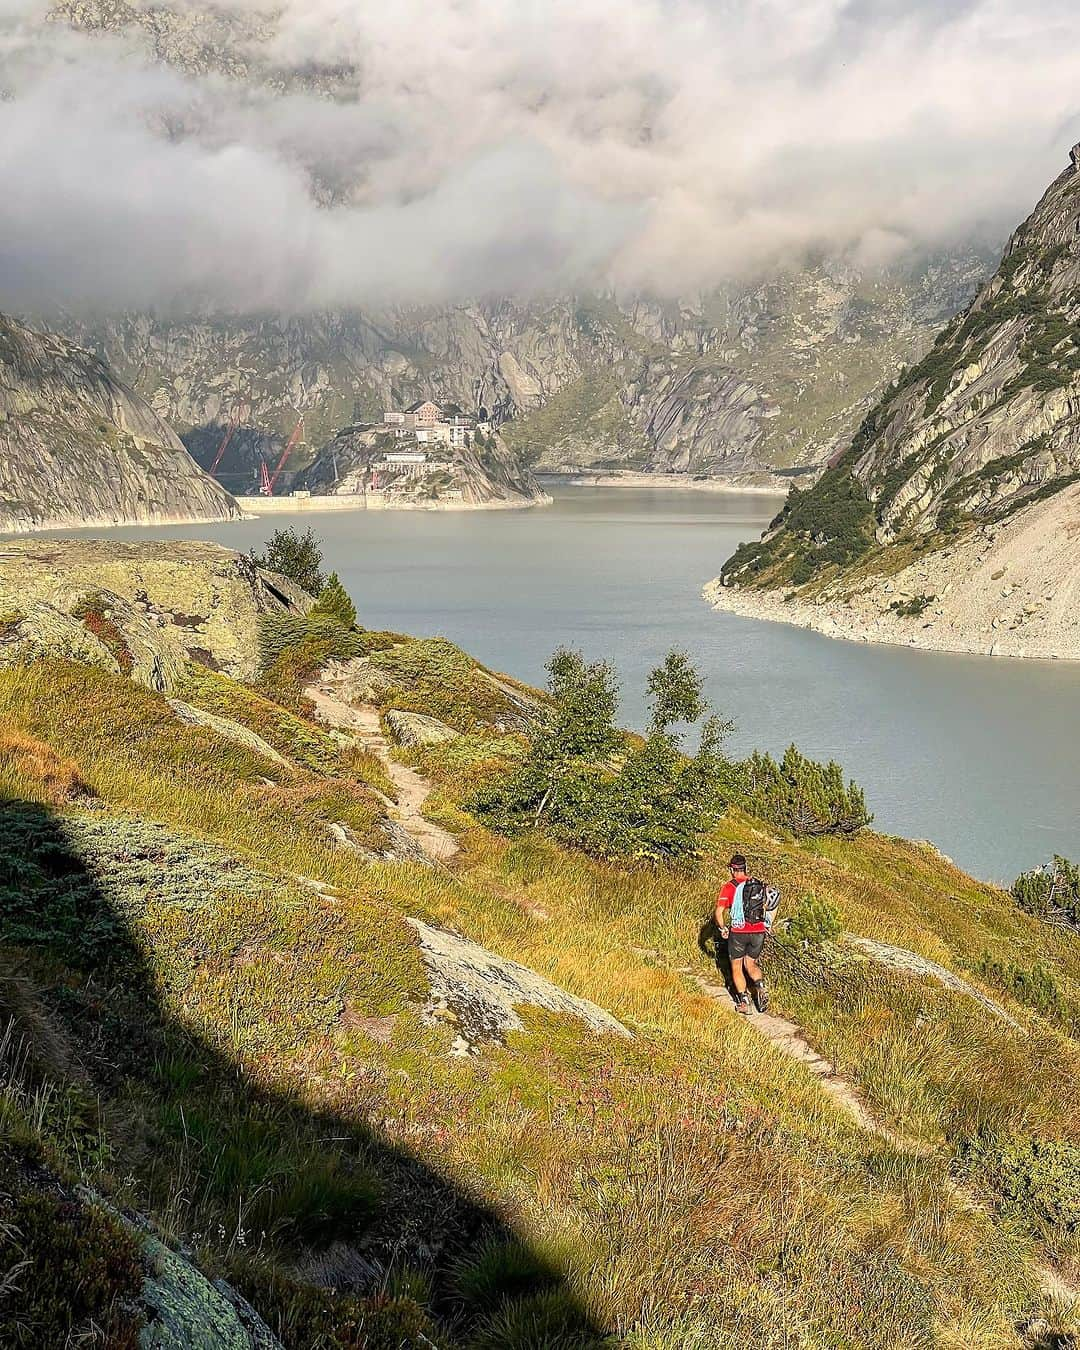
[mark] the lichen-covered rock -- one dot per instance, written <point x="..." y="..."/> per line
<point x="186" y="1311"/>
<point x="225" y="727"/>
<point x="483" y="991"/>
<point x="171" y="602"/>
<point x="417" y="730"/>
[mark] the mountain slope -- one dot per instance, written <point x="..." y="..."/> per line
<point x="78" y="447"/>
<point x="393" y="1104"/>
<point x="980" y="439"/>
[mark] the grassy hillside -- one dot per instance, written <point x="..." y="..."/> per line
<point x="218" y="1018"/>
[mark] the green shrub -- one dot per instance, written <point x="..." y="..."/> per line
<point x="1035" y="986"/>
<point x="296" y="556"/>
<point x="912" y="607"/>
<point x="1050" y="892"/>
<point x="814" y="921"/>
<point x="75" y="1275"/>
<point x="803" y="796"/>
<point x="581" y="783"/>
<point x="1036" y="1181"/>
<point x="334" y="599"/>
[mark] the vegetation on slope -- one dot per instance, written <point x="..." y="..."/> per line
<point x="224" y="1026"/>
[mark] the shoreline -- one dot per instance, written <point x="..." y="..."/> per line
<point x="20" y="530"/>
<point x="676" y="481"/>
<point x="254" y="507"/>
<point x="847" y="624"/>
<point x="1005" y="589"/>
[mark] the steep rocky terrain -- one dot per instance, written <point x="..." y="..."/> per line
<point x="267" y="1083"/>
<point x="78" y="447"/>
<point x="758" y="375"/>
<point x="960" y="477"/>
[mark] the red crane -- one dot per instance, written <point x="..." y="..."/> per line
<point x="240" y="408"/>
<point x="268" y="480"/>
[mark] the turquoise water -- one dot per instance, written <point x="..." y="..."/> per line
<point x="978" y="755"/>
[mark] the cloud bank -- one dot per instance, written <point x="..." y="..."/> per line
<point x="428" y="152"/>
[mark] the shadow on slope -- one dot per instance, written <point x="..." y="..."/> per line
<point x="283" y="1199"/>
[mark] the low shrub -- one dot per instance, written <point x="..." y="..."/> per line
<point x="1050" y="892"/>
<point x="913" y="606"/>
<point x="71" y="1274"/>
<point x="281" y="632"/>
<point x="1034" y="986"/>
<point x="814" y="921"/>
<point x="96" y="616"/>
<point x="1036" y="1181"/>
<point x="802" y="795"/>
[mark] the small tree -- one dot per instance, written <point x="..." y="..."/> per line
<point x="801" y="795"/>
<point x="334" y="599"/>
<point x="814" y="921"/>
<point x="587" y="785"/>
<point x="296" y="556"/>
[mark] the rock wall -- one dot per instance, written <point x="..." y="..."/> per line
<point x="79" y="447"/>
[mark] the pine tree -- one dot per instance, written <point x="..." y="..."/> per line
<point x="334" y="599"/>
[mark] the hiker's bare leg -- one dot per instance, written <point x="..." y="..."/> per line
<point x="752" y="969"/>
<point x="738" y="979"/>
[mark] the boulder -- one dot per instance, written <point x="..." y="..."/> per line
<point x="416" y="730"/>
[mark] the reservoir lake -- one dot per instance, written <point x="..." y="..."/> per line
<point x="978" y="755"/>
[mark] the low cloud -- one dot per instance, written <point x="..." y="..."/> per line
<point x="418" y="152"/>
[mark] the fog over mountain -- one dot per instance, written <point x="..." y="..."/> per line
<point x="344" y="154"/>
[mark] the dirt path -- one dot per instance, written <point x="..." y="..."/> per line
<point x="413" y="790"/>
<point x="790" y="1039"/>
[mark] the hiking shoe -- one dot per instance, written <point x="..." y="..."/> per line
<point x="744" y="1006"/>
<point x="761" y="996"/>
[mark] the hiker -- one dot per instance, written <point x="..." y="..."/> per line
<point x="744" y="913"/>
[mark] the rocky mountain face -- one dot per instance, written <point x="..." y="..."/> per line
<point x="757" y="376"/>
<point x="763" y="378"/>
<point x="985" y="428"/>
<point x="79" y="447"/>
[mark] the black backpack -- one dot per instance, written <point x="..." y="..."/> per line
<point x="758" y="900"/>
<point x="753" y="901"/>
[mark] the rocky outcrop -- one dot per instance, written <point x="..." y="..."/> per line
<point x="416" y="730"/>
<point x="142" y="608"/>
<point x="78" y="447"/>
<point x="967" y="460"/>
<point x="483" y="991"/>
<point x="487" y="474"/>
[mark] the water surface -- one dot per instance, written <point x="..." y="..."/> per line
<point x="977" y="754"/>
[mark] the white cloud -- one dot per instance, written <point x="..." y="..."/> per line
<point x="493" y="146"/>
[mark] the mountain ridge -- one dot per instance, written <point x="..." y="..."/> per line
<point x="979" y="438"/>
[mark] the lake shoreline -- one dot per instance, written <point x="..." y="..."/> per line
<point x="678" y="482"/>
<point x="255" y="507"/>
<point x="1004" y="589"/>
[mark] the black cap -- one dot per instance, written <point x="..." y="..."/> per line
<point x="737" y="860"/>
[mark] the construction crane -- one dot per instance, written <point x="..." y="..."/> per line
<point x="268" y="480"/>
<point x="240" y="408"/>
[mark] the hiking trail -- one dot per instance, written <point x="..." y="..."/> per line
<point x="413" y="789"/>
<point x="790" y="1039"/>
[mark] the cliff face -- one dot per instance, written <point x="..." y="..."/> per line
<point x="986" y="426"/>
<point x="747" y="379"/>
<point x="78" y="447"/>
<point x="755" y="376"/>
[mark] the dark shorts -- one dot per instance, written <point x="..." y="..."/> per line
<point x="745" y="944"/>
